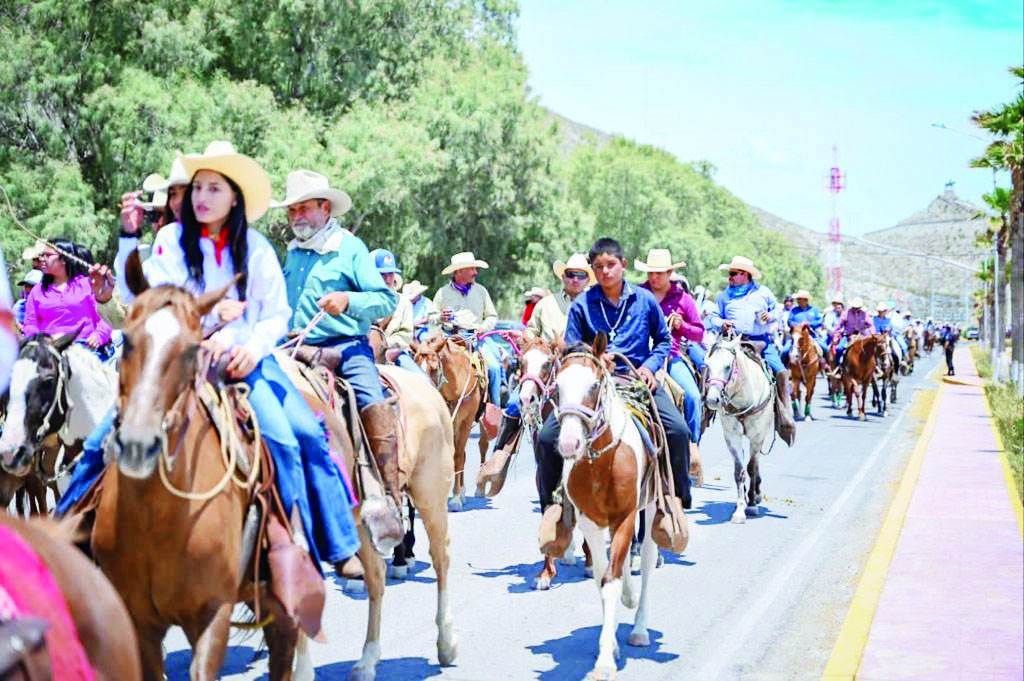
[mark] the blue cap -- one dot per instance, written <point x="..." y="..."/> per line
<point x="385" y="260"/>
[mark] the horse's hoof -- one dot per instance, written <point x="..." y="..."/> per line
<point x="863" y="417"/>
<point x="399" y="571"/>
<point x="447" y="652"/>
<point x="455" y="504"/>
<point x="542" y="583"/>
<point x="362" y="674"/>
<point x="639" y="639"/>
<point x="752" y="511"/>
<point x="739" y="517"/>
<point x="567" y="559"/>
<point x="629" y="600"/>
<point x="354" y="586"/>
<point x="480" y="491"/>
<point x="602" y="674"/>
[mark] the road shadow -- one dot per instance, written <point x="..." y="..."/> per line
<point x="397" y="669"/>
<point x="574" y="655"/>
<point x="675" y="559"/>
<point x="477" y="504"/>
<point x="523" y="575"/>
<point x="237" y="660"/>
<point x="416" y="567"/>
<point x="720" y="513"/>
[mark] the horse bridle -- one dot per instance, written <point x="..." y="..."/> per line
<point x="734" y="371"/>
<point x="60" y="394"/>
<point x="593" y="418"/>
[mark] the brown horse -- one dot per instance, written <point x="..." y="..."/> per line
<point x="176" y="558"/>
<point x="451" y="367"/>
<point x="859" y="370"/>
<point x="425" y="458"/>
<point x="805" y="362"/>
<point x="101" y="621"/>
<point x="912" y="349"/>
<point x="602" y="476"/>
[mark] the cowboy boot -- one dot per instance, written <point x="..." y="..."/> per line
<point x="350" y="568"/>
<point x="555" y="533"/>
<point x="507" y="430"/>
<point x="381" y="428"/>
<point x="785" y="425"/>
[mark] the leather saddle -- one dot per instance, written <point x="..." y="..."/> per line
<point x="23" y="654"/>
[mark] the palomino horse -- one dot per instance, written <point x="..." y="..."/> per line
<point x="805" y="362"/>
<point x="60" y="391"/>
<point x="859" y="371"/>
<point x="426" y="461"/>
<point x="99" y="617"/>
<point x="177" y="557"/>
<point x="604" y="467"/>
<point x="451" y="367"/>
<point x="739" y="389"/>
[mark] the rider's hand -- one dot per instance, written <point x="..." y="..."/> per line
<point x="93" y="341"/>
<point x="764" y="316"/>
<point x="648" y="377"/>
<point x="726" y="326"/>
<point x="131" y="213"/>
<point x="214" y="347"/>
<point x="334" y="303"/>
<point x="102" y="280"/>
<point x="228" y="310"/>
<point x="391" y="355"/>
<point x="447" y="315"/>
<point x="674" y="320"/>
<point x="242" y="362"/>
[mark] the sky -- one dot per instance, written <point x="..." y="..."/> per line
<point x="764" y="88"/>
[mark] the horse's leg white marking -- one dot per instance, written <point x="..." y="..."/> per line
<point x="366" y="668"/>
<point x="596" y="537"/>
<point x="23" y="373"/>
<point x="648" y="560"/>
<point x="734" y="439"/>
<point x="302" y="666"/>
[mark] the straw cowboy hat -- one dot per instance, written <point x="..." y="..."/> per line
<point x="881" y="307"/>
<point x="33" y="251"/>
<point x="412" y="289"/>
<point x="159" y="199"/>
<point x="303" y="185"/>
<point x="658" y="260"/>
<point x="245" y="172"/>
<point x="802" y="294"/>
<point x="535" y="291"/>
<point x="744" y="264"/>
<point x="857" y="304"/>
<point x="577" y="261"/>
<point x="461" y="261"/>
<point x="158" y="183"/>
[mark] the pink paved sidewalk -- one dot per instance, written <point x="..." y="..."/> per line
<point x="953" y="602"/>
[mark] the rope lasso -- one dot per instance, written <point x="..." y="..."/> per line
<point x="22" y="227"/>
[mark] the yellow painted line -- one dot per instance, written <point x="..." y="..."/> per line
<point x="853" y="638"/>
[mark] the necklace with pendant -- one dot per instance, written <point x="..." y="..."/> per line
<point x="613" y="329"/>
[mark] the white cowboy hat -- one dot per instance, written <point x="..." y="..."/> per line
<point x="413" y="288"/>
<point x="744" y="264"/>
<point x="577" y="261"/>
<point x="535" y="291"/>
<point x="31" y="278"/>
<point x="33" y="251"/>
<point x="461" y="261"/>
<point x="303" y="185"/>
<point x="658" y="260"/>
<point x="802" y="294"/>
<point x="158" y="201"/>
<point x="881" y="307"/>
<point x="245" y="172"/>
<point x="837" y="298"/>
<point x="857" y="303"/>
<point x="157" y="182"/>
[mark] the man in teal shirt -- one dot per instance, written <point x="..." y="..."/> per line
<point x="329" y="269"/>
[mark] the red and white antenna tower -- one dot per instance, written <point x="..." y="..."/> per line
<point x="834" y="269"/>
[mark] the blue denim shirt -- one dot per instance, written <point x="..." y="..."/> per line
<point x="809" y="314"/>
<point x="744" y="311"/>
<point x="636" y="327"/>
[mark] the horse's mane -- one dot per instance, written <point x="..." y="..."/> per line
<point x="165" y="295"/>
<point x="578" y="346"/>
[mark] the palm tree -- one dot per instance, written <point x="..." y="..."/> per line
<point x="1006" y="123"/>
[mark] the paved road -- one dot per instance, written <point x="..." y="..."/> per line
<point x="764" y="600"/>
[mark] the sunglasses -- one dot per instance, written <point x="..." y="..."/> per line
<point x="733" y="273"/>
<point x="579" y="276"/>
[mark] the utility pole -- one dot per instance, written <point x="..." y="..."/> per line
<point x="835" y="257"/>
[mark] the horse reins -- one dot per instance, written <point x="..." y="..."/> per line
<point x="593" y="418"/>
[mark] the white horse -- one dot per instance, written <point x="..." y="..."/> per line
<point x="602" y="475"/>
<point x="739" y="390"/>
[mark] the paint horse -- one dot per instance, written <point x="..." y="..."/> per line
<point x="604" y="468"/>
<point x="805" y="362"/>
<point x="60" y="390"/>
<point x="171" y="540"/>
<point x="740" y="391"/>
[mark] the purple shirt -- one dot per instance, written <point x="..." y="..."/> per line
<point x="854" y="320"/>
<point x="62" y="310"/>
<point x="678" y="300"/>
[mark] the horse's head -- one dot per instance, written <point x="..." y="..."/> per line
<point x="721" y="365"/>
<point x="536" y="370"/>
<point x="35" y="403"/>
<point x="162" y="334"/>
<point x="427" y="354"/>
<point x="580" y="385"/>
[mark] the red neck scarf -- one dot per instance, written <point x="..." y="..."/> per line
<point x="220" y="241"/>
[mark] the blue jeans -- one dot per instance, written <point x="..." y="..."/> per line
<point x="512" y="407"/>
<point x="697" y="353"/>
<point x="770" y="354"/>
<point x="683" y="376"/>
<point x="406" y="361"/>
<point x="491" y="350"/>
<point x="358" y="368"/>
<point x="90" y="467"/>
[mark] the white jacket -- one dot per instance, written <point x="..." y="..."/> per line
<point x="267" y="314"/>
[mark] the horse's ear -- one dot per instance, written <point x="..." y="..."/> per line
<point x="133" y="274"/>
<point x="558" y="346"/>
<point x="64" y="341"/>
<point x="206" y="301"/>
<point x="600" y="343"/>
